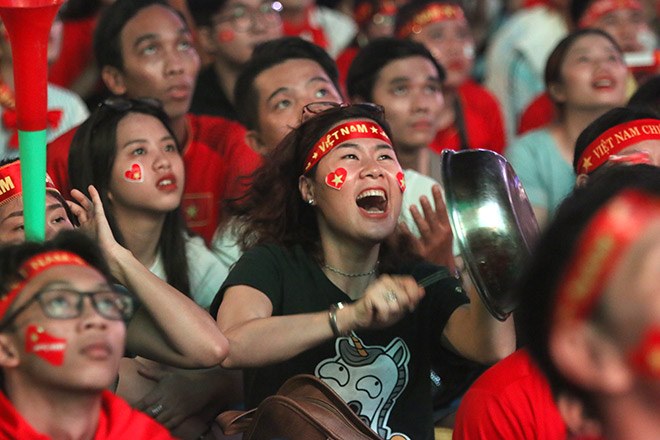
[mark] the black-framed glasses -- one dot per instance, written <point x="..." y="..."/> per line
<point x="242" y="18"/>
<point x="68" y="303"/>
<point x="314" y="108"/>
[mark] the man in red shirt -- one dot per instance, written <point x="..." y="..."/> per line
<point x="144" y="48"/>
<point x="62" y="334"/>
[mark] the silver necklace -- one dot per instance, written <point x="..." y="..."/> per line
<point x="351" y="275"/>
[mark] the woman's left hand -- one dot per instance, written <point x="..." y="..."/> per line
<point x="436" y="239"/>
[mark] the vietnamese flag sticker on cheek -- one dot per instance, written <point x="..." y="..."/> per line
<point x="45" y="345"/>
<point x="401" y="180"/>
<point x="134" y="173"/>
<point x="336" y="179"/>
<point x="226" y="35"/>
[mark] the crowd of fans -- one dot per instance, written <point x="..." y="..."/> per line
<point x="239" y="191"/>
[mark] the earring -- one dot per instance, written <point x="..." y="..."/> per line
<point x="310" y="202"/>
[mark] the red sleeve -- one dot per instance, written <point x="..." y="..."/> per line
<point x="510" y="401"/>
<point x="540" y="112"/>
<point x="118" y="421"/>
<point x="228" y="139"/>
<point x="57" y="162"/>
<point x="483" y="118"/>
<point x="76" y="52"/>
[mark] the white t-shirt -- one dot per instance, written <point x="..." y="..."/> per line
<point x="205" y="272"/>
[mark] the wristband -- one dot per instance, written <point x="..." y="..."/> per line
<point x="332" y="318"/>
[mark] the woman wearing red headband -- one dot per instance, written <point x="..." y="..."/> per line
<point x="326" y="287"/>
<point x="471" y="117"/>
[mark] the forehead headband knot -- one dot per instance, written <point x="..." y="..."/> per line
<point x="599" y="249"/>
<point x="11" y="185"/>
<point x="599" y="8"/>
<point x="359" y="129"/>
<point x="431" y="14"/>
<point x="616" y="139"/>
<point x="33" y="267"/>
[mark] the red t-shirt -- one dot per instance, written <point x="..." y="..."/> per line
<point x="117" y="421"/>
<point x="540" y="112"/>
<point x="76" y="52"/>
<point x="344" y="61"/>
<point x="215" y="157"/>
<point x="511" y="400"/>
<point x="483" y="122"/>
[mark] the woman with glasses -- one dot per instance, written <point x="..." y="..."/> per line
<point x="62" y="334"/>
<point x="126" y="160"/>
<point x="327" y="287"/>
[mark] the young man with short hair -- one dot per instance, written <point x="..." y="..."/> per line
<point x="62" y="334"/>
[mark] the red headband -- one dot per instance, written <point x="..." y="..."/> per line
<point x="599" y="249"/>
<point x="431" y="14"/>
<point x="342" y="133"/>
<point x="33" y="267"/>
<point x="616" y="139"/>
<point x="11" y="184"/>
<point x="645" y="357"/>
<point x="602" y="7"/>
<point x="366" y="11"/>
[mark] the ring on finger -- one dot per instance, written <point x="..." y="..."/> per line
<point x="390" y="296"/>
<point x="155" y="410"/>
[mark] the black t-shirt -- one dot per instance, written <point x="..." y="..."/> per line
<point x="382" y="374"/>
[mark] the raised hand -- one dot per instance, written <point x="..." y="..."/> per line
<point x="436" y="238"/>
<point x="92" y="219"/>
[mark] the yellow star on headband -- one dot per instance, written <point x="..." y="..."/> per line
<point x="586" y="163"/>
<point x="315" y="155"/>
<point x="337" y="180"/>
<point x="374" y="129"/>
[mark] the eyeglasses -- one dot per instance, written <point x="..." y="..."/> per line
<point x="67" y="303"/>
<point x="315" y="108"/>
<point x="243" y="18"/>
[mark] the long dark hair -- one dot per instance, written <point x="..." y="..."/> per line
<point x="273" y="211"/>
<point x="91" y="158"/>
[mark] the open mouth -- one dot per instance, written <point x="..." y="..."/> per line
<point x="372" y="201"/>
<point x="603" y="83"/>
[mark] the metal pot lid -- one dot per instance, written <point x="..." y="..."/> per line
<point x="492" y="221"/>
